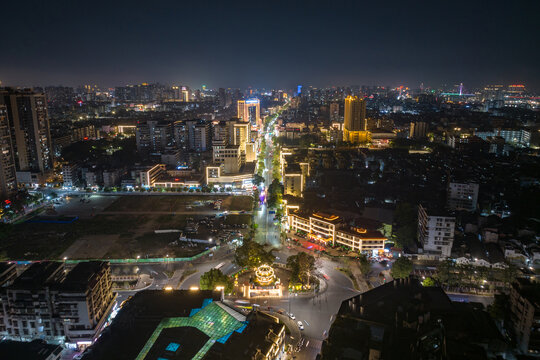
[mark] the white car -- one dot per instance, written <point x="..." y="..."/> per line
<point x="291" y="315"/>
<point x="300" y="325"/>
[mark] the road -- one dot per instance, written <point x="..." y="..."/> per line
<point x="267" y="232"/>
<point x="485" y="300"/>
<point x="374" y="275"/>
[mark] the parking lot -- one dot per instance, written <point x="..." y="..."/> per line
<point x="113" y="226"/>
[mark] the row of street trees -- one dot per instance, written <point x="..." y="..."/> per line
<point x="301" y="266"/>
<point x="454" y="275"/>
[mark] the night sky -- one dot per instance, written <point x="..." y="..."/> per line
<point x="276" y="45"/>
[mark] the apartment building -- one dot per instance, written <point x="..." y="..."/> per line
<point x="83" y="300"/>
<point x="525" y="315"/>
<point x="462" y="196"/>
<point x="70" y="174"/>
<point x="27" y="309"/>
<point x="229" y="156"/>
<point x="435" y="231"/>
<point x="8" y="181"/>
<point x="48" y="302"/>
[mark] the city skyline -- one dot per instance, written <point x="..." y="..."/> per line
<point x="271" y="46"/>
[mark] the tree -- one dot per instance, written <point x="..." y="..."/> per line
<point x="275" y="193"/>
<point x="301" y="266"/>
<point x="406" y="225"/>
<point x="428" y="282"/>
<point x="445" y="271"/>
<point x="214" y="278"/>
<point x="252" y="254"/>
<point x="363" y="264"/>
<point x="401" y="268"/>
<point x="509" y="274"/>
<point x="258" y="179"/>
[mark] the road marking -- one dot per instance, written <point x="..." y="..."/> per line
<point x="307" y="323"/>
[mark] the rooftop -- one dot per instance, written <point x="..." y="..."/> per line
<point x="38" y="275"/>
<point x="82" y="275"/>
<point x="327" y="217"/>
<point x="261" y="332"/>
<point x="152" y="320"/>
<point x="363" y="233"/>
<point x="405" y="320"/>
<point x="34" y="350"/>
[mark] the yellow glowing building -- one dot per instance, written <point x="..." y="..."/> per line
<point x="250" y="111"/>
<point x="355" y="124"/>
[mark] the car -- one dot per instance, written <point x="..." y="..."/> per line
<point x="300" y="325"/>
<point x="291" y="315"/>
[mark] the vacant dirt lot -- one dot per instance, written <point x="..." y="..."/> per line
<point x="172" y="204"/>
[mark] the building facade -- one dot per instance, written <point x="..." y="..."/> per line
<point x="355" y="123"/>
<point x="149" y="176"/>
<point x="462" y="196"/>
<point x="435" y="232"/>
<point x="45" y="303"/>
<point x="153" y="137"/>
<point x="525" y="316"/>
<point x="29" y="129"/>
<point x="250" y="111"/>
<point x="418" y="130"/>
<point x="229" y="156"/>
<point x="8" y="180"/>
<point x="82" y="301"/>
<point x="330" y="230"/>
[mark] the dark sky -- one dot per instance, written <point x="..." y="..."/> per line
<point x="270" y="43"/>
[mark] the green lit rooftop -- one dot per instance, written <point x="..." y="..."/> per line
<point x="211" y="319"/>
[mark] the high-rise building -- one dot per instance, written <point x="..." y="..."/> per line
<point x="435" y="232"/>
<point x="524" y="314"/>
<point x="334" y="112"/>
<point x="29" y="129"/>
<point x="186" y="94"/>
<point x="355" y="114"/>
<point x="198" y="134"/>
<point x="418" y="130"/>
<point x="181" y="134"/>
<point x="241" y="137"/>
<point x="83" y="301"/>
<point x="229" y="156"/>
<point x="462" y="196"/>
<point x="8" y="181"/>
<point x="153" y="136"/>
<point x="250" y="111"/>
<point x="355" y="124"/>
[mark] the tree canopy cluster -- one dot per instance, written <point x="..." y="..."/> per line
<point x="301" y="266"/>
<point x="401" y="268"/>
<point x="406" y="219"/>
<point x="451" y="274"/>
<point x="252" y="254"/>
<point x="275" y="193"/>
<point x="214" y="278"/>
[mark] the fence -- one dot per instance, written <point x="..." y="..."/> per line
<point x="151" y="260"/>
